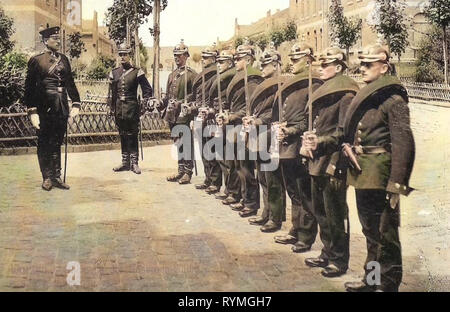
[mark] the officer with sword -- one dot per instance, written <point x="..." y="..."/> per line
<point x="48" y="84"/>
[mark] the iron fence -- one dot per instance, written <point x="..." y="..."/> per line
<point x="94" y="125"/>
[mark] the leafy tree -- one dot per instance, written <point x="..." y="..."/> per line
<point x="277" y="37"/>
<point x="438" y="12"/>
<point x="144" y="56"/>
<point x="238" y="41"/>
<point x="135" y="11"/>
<point x="6" y="31"/>
<point x="430" y="60"/>
<point x="290" y="31"/>
<point x="262" y="41"/>
<point x="344" y="31"/>
<point x="390" y="24"/>
<point x="100" y="68"/>
<point x="12" y="78"/>
<point x="76" y="45"/>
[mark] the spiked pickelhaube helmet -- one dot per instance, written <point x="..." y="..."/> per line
<point x="210" y="51"/>
<point x="245" y="49"/>
<point x="181" y="49"/>
<point x="270" y="55"/>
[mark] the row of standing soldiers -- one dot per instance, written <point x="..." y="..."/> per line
<point x="329" y="134"/>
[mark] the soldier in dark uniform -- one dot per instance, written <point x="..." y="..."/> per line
<point x="329" y="189"/>
<point x="261" y="104"/>
<point x="204" y="109"/>
<point x="49" y="81"/>
<point x="238" y="95"/>
<point x="295" y="173"/>
<point x="124" y="83"/>
<point x="227" y="71"/>
<point x="175" y="96"/>
<point x="380" y="142"/>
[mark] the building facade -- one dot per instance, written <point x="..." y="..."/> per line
<point x="312" y="23"/>
<point x="30" y="15"/>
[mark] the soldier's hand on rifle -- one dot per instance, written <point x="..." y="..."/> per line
<point x="35" y="121"/>
<point x="248" y="121"/>
<point x="74" y="112"/>
<point x="222" y="119"/>
<point x="282" y="134"/>
<point x="310" y="140"/>
<point x="394" y="199"/>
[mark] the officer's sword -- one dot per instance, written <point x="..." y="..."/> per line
<point x="140" y="129"/>
<point x="65" y="152"/>
<point x="185" y="104"/>
<point x="247" y="101"/>
<point x="310" y="108"/>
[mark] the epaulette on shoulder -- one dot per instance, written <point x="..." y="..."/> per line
<point x="39" y="54"/>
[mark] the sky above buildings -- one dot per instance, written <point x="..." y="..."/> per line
<point x="198" y="22"/>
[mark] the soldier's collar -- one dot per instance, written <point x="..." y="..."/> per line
<point x="52" y="53"/>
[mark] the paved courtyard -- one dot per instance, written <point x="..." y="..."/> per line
<point x="141" y="233"/>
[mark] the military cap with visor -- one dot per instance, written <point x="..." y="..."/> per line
<point x="48" y="32"/>
<point x="181" y="49"/>
<point x="244" y="50"/>
<point x="300" y="50"/>
<point x="124" y="48"/>
<point x="270" y="56"/>
<point x="374" y="53"/>
<point x="210" y="51"/>
<point x="333" y="55"/>
<point x="225" y="55"/>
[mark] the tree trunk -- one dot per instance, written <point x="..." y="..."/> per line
<point x="156" y="48"/>
<point x="347" y="54"/>
<point x="445" y="56"/>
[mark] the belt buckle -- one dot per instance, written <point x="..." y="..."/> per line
<point x="122" y="98"/>
<point x="359" y="150"/>
<point x="60" y="89"/>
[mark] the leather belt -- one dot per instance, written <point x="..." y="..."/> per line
<point x="360" y="150"/>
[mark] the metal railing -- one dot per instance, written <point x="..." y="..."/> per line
<point x="428" y="92"/>
<point x="94" y="125"/>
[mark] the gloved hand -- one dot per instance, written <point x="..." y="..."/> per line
<point x="223" y="119"/>
<point x="34" y="118"/>
<point x="394" y="199"/>
<point x="310" y="140"/>
<point x="74" y="112"/>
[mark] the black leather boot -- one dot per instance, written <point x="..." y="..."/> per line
<point x="134" y="160"/>
<point x="125" y="166"/>
<point x="56" y="177"/>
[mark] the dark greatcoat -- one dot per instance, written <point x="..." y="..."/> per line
<point x="379" y="117"/>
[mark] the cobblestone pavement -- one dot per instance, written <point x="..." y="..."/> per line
<point x="141" y="233"/>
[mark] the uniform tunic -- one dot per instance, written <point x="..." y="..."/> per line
<point x="124" y="82"/>
<point x="49" y="80"/>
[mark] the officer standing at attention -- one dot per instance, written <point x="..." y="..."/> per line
<point x="49" y="80"/>
<point x="329" y="184"/>
<point x="379" y="142"/>
<point x="173" y="101"/>
<point x="124" y="83"/>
